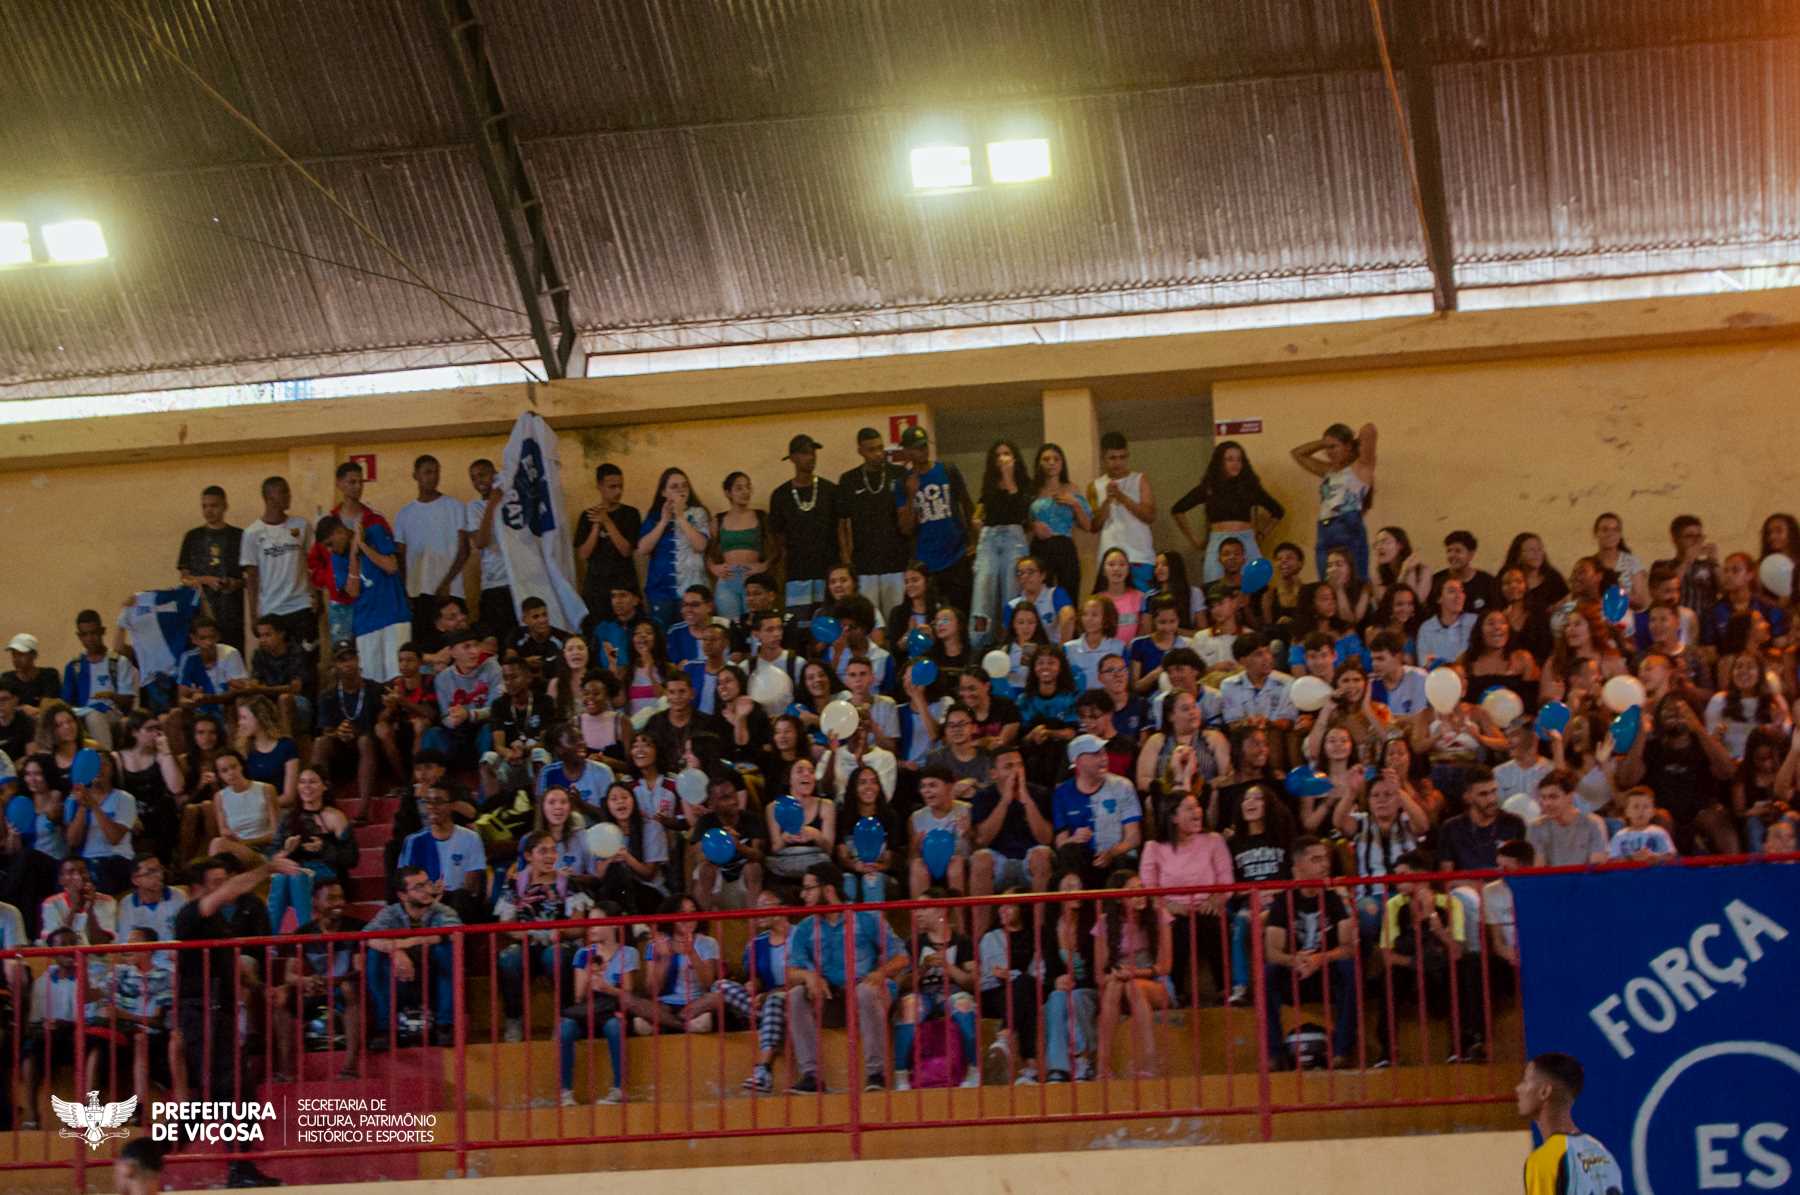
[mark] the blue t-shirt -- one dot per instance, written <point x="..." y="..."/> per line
<point x="381" y="602"/>
<point x="938" y="538"/>
<point x="1106" y="811"/>
<point x="1149" y="657"/>
<point x="270" y="766"/>
<point x="1058" y="516"/>
<point x="448" y="859"/>
<point x="624" y="961"/>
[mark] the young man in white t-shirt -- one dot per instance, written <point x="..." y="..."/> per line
<point x="1520" y="775"/>
<point x="482" y="514"/>
<point x="273" y="557"/>
<point x="434" y="544"/>
<point x="1124" y="511"/>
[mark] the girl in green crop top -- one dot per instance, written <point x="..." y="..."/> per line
<point x="737" y="548"/>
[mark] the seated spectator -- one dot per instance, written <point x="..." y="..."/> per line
<point x="346" y="723"/>
<point x="1134" y="953"/>
<point x="1021" y="637"/>
<point x="80" y="907"/>
<point x="100" y="685"/>
<point x="269" y="754"/>
<point x="1737" y="595"/>
<point x="1186" y="854"/>
<point x="671" y="728"/>
<point x="611" y="634"/>
<point x="1518" y="778"/>
<point x="585" y="779"/>
<point x="538" y="891"/>
<point x="748" y="727"/>
<point x="151" y="904"/>
<point x="324" y="982"/>
<point x="737" y="884"/>
<point x="703" y="673"/>
<point x="408" y="710"/>
<point x="1182" y="728"/>
<point x="316" y="835"/>
<point x="869" y="881"/>
<point x="400" y="969"/>
<point x="1501" y="930"/>
<point x="1096" y="816"/>
<point x="681" y="971"/>
<point x="1095" y="715"/>
<point x="142" y="1000"/>
<point x="940" y="811"/>
<point x="1783" y="838"/>
<point x="522" y="719"/>
<point x="761" y="999"/>
<point x="1763" y="790"/>
<point x="859" y="622"/>
<point x="791" y="856"/>
<point x="1260" y="838"/>
<point x="31" y="686"/>
<point x="1099" y="638"/>
<point x="969" y="764"/>
<point x="1423" y="933"/>
<point x="1310" y="944"/>
<point x="1047" y="715"/>
<point x="537" y="642"/>
<point x="1073" y="1003"/>
<point x="244" y="812"/>
<point x="1019" y="966"/>
<point x="282" y="671"/>
<point x="1564" y="836"/>
<point x="1688" y="770"/>
<point x="945" y="971"/>
<point x="819" y="978"/>
<point x="1444" y="637"/>
<point x="17" y="728"/>
<point x="59" y="740"/>
<point x="1010" y="821"/>
<point x="49" y="1040"/>
<point x="606" y="972"/>
<point x="1052" y="603"/>
<point x="860" y="751"/>
<point x="632" y="876"/>
<point x="451" y="856"/>
<point x="98" y="819"/>
<point x="1395" y="683"/>
<point x="1250" y="767"/>
<point x="1145" y="653"/>
<point x="1747" y="700"/>
<point x="466" y="691"/>
<point x="1640" y="838"/>
<point x="1391" y="827"/>
<point x="604" y="727"/>
<point x="1471" y="840"/>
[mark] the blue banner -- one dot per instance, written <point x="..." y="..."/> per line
<point x="1679" y="990"/>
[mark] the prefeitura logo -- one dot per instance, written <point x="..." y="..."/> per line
<point x="94" y="1122"/>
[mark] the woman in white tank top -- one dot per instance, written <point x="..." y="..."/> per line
<point x="1344" y="462"/>
<point x="243" y="811"/>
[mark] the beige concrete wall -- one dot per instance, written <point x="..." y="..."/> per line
<point x="1482" y="1163"/>
<point x="1546" y="445"/>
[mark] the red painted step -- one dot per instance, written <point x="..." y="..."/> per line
<point x="374" y="835"/>
<point x="370" y="861"/>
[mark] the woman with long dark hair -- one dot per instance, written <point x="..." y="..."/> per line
<point x="1260" y="837"/>
<point x="1113" y="579"/>
<point x="1170" y="578"/>
<point x="740" y="548"/>
<point x="1544" y="585"/>
<point x="1004" y="510"/>
<point x="1344" y="463"/>
<point x="1232" y="494"/>
<point x="677" y="530"/>
<point x="918" y="602"/>
<point x="1134" y="953"/>
<point x="1395" y="563"/>
<point x="1056" y="511"/>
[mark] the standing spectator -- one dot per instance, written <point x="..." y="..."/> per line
<point x="434" y="544"/>
<point x="346" y="721"/>
<point x="803" y="521"/>
<point x="606" y="537"/>
<point x="33" y="686"/>
<point x="1346" y="475"/>
<point x="1480" y="591"/>
<point x="741" y="547"/>
<point x="1564" y="836"/>
<point x="211" y="562"/>
<point x="1004" y="510"/>
<point x="1310" y="942"/>
<point x="676" y="532"/>
<point x="273" y="556"/>
<point x="819" y="978"/>
<point x="395" y="965"/>
<point x="1096" y="815"/>
<point x="1124" y="509"/>
<point x="480" y="515"/>
<point x="935" y="509"/>
<point x="1056" y="511"/>
<point x="100" y="685"/>
<point x="869" y="534"/>
<point x="1695" y="563"/>
<point x="1231" y="494"/>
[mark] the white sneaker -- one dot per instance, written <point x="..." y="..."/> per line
<point x="641" y="1027"/>
<point x="902" y="1080"/>
<point x="972" y="1077"/>
<point x="515" y="1030"/>
<point x="1027" y="1076"/>
<point x="568" y="1098"/>
<point x="1240" y="995"/>
<point x="615" y="1096"/>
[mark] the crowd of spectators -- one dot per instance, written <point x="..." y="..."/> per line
<point x="898" y="682"/>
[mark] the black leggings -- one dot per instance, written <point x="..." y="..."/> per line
<point x="1200" y="932"/>
<point x="1021" y="1018"/>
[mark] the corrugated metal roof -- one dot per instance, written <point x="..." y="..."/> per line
<point x="723" y="160"/>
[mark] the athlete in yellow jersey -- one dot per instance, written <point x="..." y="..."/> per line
<point x="1569" y="1162"/>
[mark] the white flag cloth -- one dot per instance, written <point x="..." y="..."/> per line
<point x="530" y="524"/>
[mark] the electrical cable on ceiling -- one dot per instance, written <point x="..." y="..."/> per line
<point x="331" y="197"/>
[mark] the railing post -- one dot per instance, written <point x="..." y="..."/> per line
<point x="81" y="993"/>
<point x="853" y="1024"/>
<point x="461" y="1034"/>
<point x="1265" y="1117"/>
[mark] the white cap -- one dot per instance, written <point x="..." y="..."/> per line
<point x="1086" y="744"/>
<point x="23" y="642"/>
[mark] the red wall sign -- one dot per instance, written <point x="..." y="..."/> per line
<point x="367" y="461"/>
<point x="1238" y="427"/>
<point x="897" y="425"/>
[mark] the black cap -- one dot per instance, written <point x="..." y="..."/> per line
<point x="914" y="437"/>
<point x="802" y="443"/>
<point x="342" y="648"/>
<point x="469" y="635"/>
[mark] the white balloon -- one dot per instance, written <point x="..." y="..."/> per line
<point x="605" y="840"/>
<point x="1777" y="573"/>
<point x="996" y="663"/>
<point x="1309" y="693"/>
<point x="840" y="719"/>
<point x="1443" y="689"/>
<point x="772" y="688"/>
<point x="1503" y="706"/>
<point x="1622" y="692"/>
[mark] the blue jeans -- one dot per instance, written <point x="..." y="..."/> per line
<point x="1344" y="531"/>
<point x="1241" y="925"/>
<point x="1211" y="571"/>
<point x="462" y="745"/>
<point x="338" y="622"/>
<point x="545" y="960"/>
<point x="575" y="1028"/>
<point x="1278" y="981"/>
<point x="728" y="592"/>
<point x="1058" y="1027"/>
<point x="295" y="892"/>
<point x="443" y="988"/>
<point x="932" y="1004"/>
<point x="862" y="889"/>
<point x="800" y="597"/>
<point x="996" y="582"/>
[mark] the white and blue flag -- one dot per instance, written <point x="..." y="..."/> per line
<point x="157" y="621"/>
<point x="529" y="528"/>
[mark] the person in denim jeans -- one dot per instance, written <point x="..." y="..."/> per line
<point x="1346" y="473"/>
<point x="396" y="961"/>
<point x="1002" y="514"/>
<point x="739" y="547"/>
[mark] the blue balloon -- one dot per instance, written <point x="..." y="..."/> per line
<point x="825" y="629"/>
<point x="86" y="768"/>
<point x="1614" y="603"/>
<point x="1307" y="781"/>
<point x="938" y="848"/>
<point x="1003" y="687"/>
<point x="1552" y="718"/>
<point x="1625" y="728"/>
<point x="869" y="838"/>
<point x="790" y="815"/>
<point x="918" y="642"/>
<point x="1257" y="575"/>
<point x="718" y="847"/>
<point x="924" y="671"/>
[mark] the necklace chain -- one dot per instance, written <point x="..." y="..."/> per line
<point x="812" y="498"/>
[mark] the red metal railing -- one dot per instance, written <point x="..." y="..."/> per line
<point x="278" y="980"/>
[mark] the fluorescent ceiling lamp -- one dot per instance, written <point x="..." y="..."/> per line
<point x="942" y="167"/>
<point x="74" y="240"/>
<point x="15" y="243"/>
<point x="1019" y="161"/>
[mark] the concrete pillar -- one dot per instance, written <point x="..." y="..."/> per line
<point x="1071" y="421"/>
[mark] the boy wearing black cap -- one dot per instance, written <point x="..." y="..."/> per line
<point x="803" y="517"/>
<point x="934" y="506"/>
<point x="869" y="535"/>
